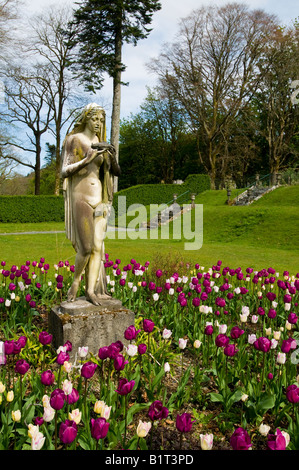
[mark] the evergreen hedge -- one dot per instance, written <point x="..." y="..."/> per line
<point x="146" y="194"/>
<point x="25" y="209"/>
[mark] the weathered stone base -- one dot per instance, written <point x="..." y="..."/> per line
<point x="84" y="324"/>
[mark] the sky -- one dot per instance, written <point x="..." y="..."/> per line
<point x="164" y="27"/>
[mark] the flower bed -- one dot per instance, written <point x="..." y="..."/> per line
<point x="211" y="362"/>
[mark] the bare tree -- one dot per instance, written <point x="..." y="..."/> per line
<point x="26" y="100"/>
<point x="8" y="13"/>
<point x="49" y="43"/>
<point x="212" y="69"/>
<point x="279" y="116"/>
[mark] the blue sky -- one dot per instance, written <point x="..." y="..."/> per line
<point x="164" y="27"/>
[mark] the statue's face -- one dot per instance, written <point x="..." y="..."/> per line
<point x="95" y="122"/>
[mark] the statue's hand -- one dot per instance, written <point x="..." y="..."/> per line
<point x="92" y="154"/>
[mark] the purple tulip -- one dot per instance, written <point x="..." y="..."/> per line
<point x="209" y="330"/>
<point x="230" y="350"/>
<point x="221" y="340"/>
<point x="9" y="347"/>
<point x="240" y="440"/>
<point x="57" y="399"/>
<point x="131" y="333"/>
<point x="124" y="386"/>
<point x="114" y="350"/>
<point x="157" y="411"/>
<point x="72" y="397"/>
<point x="142" y="348"/>
<point x="292" y="394"/>
<point x="21" y="367"/>
<point x="262" y="344"/>
<point x="272" y="313"/>
<point x="120" y="362"/>
<point x="62" y="358"/>
<point x="88" y="369"/>
<point x="292" y="318"/>
<point x="148" y="326"/>
<point x="99" y="428"/>
<point x="184" y="423"/>
<point x="236" y="332"/>
<point x="276" y="441"/>
<point x="103" y="353"/>
<point x="47" y="378"/>
<point x="68" y="431"/>
<point x="45" y="338"/>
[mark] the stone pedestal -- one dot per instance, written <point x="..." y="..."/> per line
<point x="84" y="324"/>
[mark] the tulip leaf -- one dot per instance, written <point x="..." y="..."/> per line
<point x="266" y="402"/>
<point x="216" y="397"/>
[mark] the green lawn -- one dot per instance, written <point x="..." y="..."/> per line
<point x="260" y="235"/>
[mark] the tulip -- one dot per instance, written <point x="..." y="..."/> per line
<point x="142" y="348"/>
<point x="276" y="441"/>
<point x="99" y="428"/>
<point x="184" y="423"/>
<point x="206" y="441"/>
<point x="124" y="386"/>
<point x="236" y="332"/>
<point x="10" y="396"/>
<point x="57" y="399"/>
<point x="148" y="326"/>
<point x="75" y="415"/>
<point x="221" y="340"/>
<point x="143" y="428"/>
<point x="166" y="334"/>
<point x="132" y="350"/>
<point x="45" y="338"/>
<point x="182" y="343"/>
<point x="264" y="429"/>
<point x="62" y="357"/>
<point x="83" y="351"/>
<point x="49" y="414"/>
<point x="103" y="353"/>
<point x="72" y="397"/>
<point x="240" y="440"/>
<point x="230" y="350"/>
<point x="37" y="441"/>
<point x="120" y="362"/>
<point x="22" y="367"/>
<point x="16" y="416"/>
<point x="292" y="394"/>
<point x="281" y="358"/>
<point x="157" y="411"/>
<point x="262" y="344"/>
<point x="68" y="431"/>
<point x="47" y="378"/>
<point x="131" y="333"/>
<point x="88" y="369"/>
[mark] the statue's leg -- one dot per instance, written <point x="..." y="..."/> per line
<point x="83" y="221"/>
<point x="94" y="265"/>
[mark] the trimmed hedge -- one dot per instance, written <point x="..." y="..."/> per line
<point x="147" y="194"/>
<point x="24" y="209"/>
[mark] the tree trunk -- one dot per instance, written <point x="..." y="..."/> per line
<point x="115" y="119"/>
<point x="57" y="165"/>
<point x="37" y="166"/>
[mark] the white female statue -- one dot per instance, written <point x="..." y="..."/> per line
<point x="88" y="168"/>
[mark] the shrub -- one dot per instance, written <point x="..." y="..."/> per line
<point x="24" y="209"/>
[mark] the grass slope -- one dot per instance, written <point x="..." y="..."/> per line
<point x="260" y="235"/>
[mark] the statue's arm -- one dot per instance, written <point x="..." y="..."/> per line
<point x="71" y="164"/>
<point x="114" y="165"/>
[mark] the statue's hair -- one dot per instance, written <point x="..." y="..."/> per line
<point x="87" y="111"/>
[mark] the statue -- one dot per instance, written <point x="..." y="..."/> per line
<point x="88" y="168"/>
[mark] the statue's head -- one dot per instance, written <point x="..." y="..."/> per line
<point x="90" y="113"/>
